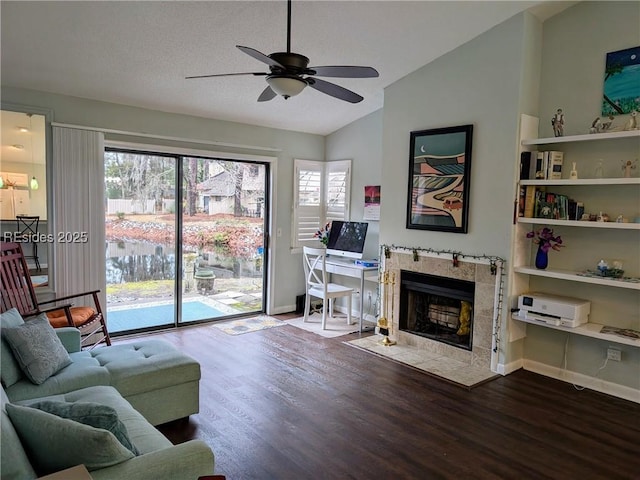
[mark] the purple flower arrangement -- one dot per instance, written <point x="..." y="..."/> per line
<point x="545" y="239"/>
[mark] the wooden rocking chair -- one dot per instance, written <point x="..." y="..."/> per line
<point x="17" y="292"/>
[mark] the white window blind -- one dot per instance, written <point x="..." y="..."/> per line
<point x="321" y="194"/>
<point x="337" y="181"/>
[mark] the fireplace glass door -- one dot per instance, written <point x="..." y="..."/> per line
<point x="438" y="308"/>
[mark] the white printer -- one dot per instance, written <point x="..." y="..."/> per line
<point x="553" y="309"/>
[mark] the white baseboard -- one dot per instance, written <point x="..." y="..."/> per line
<point x="282" y="309"/>
<point x="582" y="380"/>
<point x="507" y="368"/>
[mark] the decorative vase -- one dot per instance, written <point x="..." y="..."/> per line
<point x="542" y="258"/>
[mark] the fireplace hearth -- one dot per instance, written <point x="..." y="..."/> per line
<point x="438" y="308"/>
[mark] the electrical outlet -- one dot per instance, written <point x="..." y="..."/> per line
<point x="614" y="354"/>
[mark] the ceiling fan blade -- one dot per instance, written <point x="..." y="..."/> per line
<point x="266" y="95"/>
<point x="252" y="52"/>
<point x="257" y="74"/>
<point x="334" y="90"/>
<point x="346" y="71"/>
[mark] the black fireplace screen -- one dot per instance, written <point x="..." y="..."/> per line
<point x="437" y="307"/>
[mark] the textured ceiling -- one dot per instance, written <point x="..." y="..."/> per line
<point x="138" y="53"/>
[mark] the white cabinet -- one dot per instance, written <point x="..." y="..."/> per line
<point x="14" y="202"/>
<point x="21" y="202"/>
<point x="614" y="302"/>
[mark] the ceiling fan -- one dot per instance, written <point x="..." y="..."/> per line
<point x="289" y="73"/>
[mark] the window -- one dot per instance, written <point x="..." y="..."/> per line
<point x="321" y="194"/>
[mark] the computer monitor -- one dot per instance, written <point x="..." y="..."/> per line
<point x="346" y="239"/>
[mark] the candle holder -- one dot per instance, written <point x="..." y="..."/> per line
<point x="384" y="324"/>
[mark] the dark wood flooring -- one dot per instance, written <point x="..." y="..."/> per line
<point x="287" y="404"/>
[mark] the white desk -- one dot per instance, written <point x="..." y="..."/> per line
<point x="348" y="268"/>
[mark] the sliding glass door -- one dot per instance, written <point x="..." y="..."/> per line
<point x="141" y="243"/>
<point x="223" y="232"/>
<point x="182" y="255"/>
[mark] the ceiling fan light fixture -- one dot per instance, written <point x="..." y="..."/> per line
<point x="287" y="86"/>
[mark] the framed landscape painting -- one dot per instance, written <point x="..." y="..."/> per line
<point x="439" y="176"/>
<point x="621" y="82"/>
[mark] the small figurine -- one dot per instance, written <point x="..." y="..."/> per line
<point x="628" y="166"/>
<point x="599" y="170"/>
<point x="606" y="124"/>
<point x="557" y="122"/>
<point x="596" y="126"/>
<point x="574" y="172"/>
<point x="632" y="123"/>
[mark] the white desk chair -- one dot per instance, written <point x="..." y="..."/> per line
<point x="317" y="284"/>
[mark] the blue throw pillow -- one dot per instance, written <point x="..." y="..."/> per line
<point x="11" y="371"/>
<point x="37" y="348"/>
<point x="54" y="443"/>
<point x="92" y="414"/>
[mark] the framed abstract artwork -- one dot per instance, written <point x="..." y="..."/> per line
<point x="439" y="177"/>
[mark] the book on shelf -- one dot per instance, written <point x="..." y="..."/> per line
<point x="579" y="210"/>
<point x="528" y="165"/>
<point x="572" y="209"/>
<point x="529" y="201"/>
<point x="554" y="164"/>
<point x="551" y="205"/>
<point x="540" y="166"/>
<point x="521" y="199"/>
<point x="563" y="207"/>
<point x="545" y="209"/>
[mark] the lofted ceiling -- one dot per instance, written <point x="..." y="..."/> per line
<point x="139" y="53"/>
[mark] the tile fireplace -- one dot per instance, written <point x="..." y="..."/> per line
<point x="429" y="317"/>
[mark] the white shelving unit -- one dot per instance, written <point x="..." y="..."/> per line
<point x="581" y="138"/>
<point x="587" y="329"/>
<point x="584" y="181"/>
<point x="524" y="272"/>
<point x="574" y="277"/>
<point x="580" y="224"/>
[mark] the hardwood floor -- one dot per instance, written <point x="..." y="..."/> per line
<point x="283" y="403"/>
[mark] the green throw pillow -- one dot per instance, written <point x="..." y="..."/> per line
<point x="11" y="371"/>
<point x="55" y="443"/>
<point x="92" y="414"/>
<point x="37" y="348"/>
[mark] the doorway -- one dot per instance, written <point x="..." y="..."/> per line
<point x="186" y="239"/>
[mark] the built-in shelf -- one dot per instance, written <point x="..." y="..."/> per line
<point x="574" y="277"/>
<point x="583" y="181"/>
<point x="586" y="329"/>
<point x="575" y="223"/>
<point x="582" y="138"/>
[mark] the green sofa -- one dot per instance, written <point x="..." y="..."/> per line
<point x="146" y="383"/>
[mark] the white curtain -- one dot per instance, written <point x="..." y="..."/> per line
<point x="77" y="183"/>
